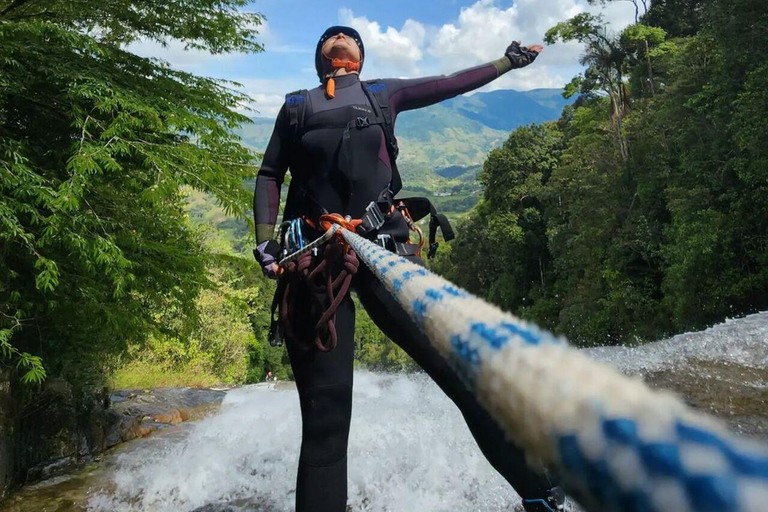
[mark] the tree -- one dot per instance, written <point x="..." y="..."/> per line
<point x="604" y="57"/>
<point x="502" y="253"/>
<point x="678" y="18"/>
<point x="96" y="147"/>
<point x="639" y="4"/>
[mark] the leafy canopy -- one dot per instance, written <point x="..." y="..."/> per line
<point x="652" y="217"/>
<point x="97" y="146"/>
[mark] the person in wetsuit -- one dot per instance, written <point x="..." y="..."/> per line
<point x="342" y="167"/>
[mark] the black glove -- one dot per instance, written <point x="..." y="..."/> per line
<point x="520" y="56"/>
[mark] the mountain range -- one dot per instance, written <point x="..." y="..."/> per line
<point x="444" y="145"/>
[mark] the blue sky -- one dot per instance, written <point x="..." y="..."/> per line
<point x="403" y="38"/>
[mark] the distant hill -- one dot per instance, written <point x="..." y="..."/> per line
<point x="439" y="144"/>
<point x="508" y="109"/>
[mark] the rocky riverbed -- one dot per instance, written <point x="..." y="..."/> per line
<point x="62" y="431"/>
<point x="138" y="413"/>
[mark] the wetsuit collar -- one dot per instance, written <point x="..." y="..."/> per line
<point x="346" y="80"/>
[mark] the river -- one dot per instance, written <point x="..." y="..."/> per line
<point x="409" y="448"/>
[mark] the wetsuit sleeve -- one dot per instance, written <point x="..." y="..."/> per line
<point x="266" y="197"/>
<point x="421" y="92"/>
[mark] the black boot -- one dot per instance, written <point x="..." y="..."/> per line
<point x="554" y="501"/>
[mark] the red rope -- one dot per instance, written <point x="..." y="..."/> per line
<point x="325" y="291"/>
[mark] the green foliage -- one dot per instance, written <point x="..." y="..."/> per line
<point x="375" y="351"/>
<point x="502" y="246"/>
<point x="653" y="227"/>
<point x="96" y="148"/>
<point x="679" y="18"/>
<point x="225" y="345"/>
<point x="605" y="59"/>
<point x="212" y="25"/>
<point x="145" y="374"/>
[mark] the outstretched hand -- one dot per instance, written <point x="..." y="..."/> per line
<point x="521" y="56"/>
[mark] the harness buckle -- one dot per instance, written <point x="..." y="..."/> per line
<point x="362" y="122"/>
<point x="384" y="241"/>
<point x="372" y="220"/>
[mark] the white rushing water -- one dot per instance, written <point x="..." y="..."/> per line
<point x="742" y="342"/>
<point x="409" y="448"/>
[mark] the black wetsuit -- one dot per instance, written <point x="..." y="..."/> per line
<point x="347" y="184"/>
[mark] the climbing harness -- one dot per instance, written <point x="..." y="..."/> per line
<point x="302" y="260"/>
<point x="312" y="269"/>
<point x="416" y="208"/>
<point x="299" y="109"/>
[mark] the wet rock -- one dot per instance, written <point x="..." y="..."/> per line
<point x="47" y="429"/>
<point x="138" y="413"/>
<point x="736" y="393"/>
<point x="722" y="370"/>
<point x="47" y="432"/>
<point x="167" y="405"/>
<point x="50" y="469"/>
<point x="56" y="430"/>
<point x="92" y="421"/>
<point x="164" y="400"/>
<point x="216" y="507"/>
<point x="120" y="428"/>
<point x="239" y="505"/>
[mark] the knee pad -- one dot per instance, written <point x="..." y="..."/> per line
<point x="326" y="413"/>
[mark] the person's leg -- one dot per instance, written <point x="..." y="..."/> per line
<point x="324" y="382"/>
<point x="503" y="455"/>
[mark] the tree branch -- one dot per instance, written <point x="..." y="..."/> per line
<point x="15" y="5"/>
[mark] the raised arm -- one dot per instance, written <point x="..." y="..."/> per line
<point x="266" y="196"/>
<point x="421" y="92"/>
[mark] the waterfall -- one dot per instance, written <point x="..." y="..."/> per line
<point x="409" y="449"/>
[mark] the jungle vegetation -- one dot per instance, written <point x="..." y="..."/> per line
<point x="643" y="211"/>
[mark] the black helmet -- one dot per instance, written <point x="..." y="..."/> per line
<point x="347" y="31"/>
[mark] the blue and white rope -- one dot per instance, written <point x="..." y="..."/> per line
<point x="616" y="444"/>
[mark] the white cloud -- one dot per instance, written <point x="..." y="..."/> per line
<point x="392" y="52"/>
<point x="268" y="94"/>
<point x="264" y="105"/>
<point x="485" y="29"/>
<point x="534" y="77"/>
<point x="193" y="61"/>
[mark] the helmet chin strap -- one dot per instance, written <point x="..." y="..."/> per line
<point x="337" y="64"/>
<point x="347" y="65"/>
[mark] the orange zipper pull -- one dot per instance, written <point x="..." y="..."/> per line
<point x="330" y="88"/>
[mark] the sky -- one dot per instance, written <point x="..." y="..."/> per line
<point x="402" y="38"/>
